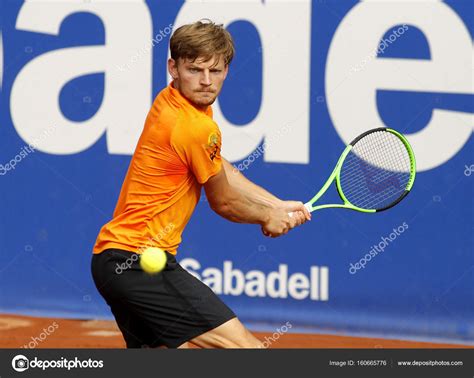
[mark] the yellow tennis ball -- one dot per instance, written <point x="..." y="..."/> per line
<point x="153" y="260"/>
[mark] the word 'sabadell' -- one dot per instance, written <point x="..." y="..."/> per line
<point x="255" y="283"/>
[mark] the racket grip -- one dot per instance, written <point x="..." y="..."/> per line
<point x="307" y="205"/>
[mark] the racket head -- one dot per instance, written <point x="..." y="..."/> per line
<point x="377" y="170"/>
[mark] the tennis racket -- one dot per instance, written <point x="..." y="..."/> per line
<point x="374" y="173"/>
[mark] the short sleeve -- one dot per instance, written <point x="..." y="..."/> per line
<point x="198" y="144"/>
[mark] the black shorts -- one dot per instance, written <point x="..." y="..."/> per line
<point x="165" y="309"/>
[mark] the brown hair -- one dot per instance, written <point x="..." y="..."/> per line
<point x="203" y="39"/>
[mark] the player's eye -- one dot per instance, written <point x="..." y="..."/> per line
<point x="193" y="70"/>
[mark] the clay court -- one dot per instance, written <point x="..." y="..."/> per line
<point x="30" y="332"/>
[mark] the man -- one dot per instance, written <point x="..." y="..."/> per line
<point x="178" y="153"/>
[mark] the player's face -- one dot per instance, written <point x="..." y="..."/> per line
<point x="199" y="81"/>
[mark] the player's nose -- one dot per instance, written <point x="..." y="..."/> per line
<point x="205" y="78"/>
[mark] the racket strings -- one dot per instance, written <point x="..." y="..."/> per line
<point x="376" y="172"/>
<point x="365" y="198"/>
<point x="373" y="180"/>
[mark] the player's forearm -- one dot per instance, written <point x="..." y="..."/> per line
<point x="239" y="208"/>
<point x="247" y="188"/>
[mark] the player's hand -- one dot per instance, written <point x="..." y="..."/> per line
<point x="288" y="215"/>
<point x="277" y="224"/>
<point x="299" y="214"/>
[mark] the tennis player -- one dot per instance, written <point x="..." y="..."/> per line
<point x="179" y="153"/>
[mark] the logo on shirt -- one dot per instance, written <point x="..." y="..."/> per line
<point x="213" y="145"/>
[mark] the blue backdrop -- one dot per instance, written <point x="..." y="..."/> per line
<point x="420" y="286"/>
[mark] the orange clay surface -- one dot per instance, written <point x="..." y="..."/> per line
<point x="22" y="331"/>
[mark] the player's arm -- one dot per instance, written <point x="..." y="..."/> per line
<point x="231" y="204"/>
<point x="234" y="205"/>
<point x="254" y="192"/>
<point x="245" y="186"/>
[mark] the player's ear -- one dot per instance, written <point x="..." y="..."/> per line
<point x="173" y="68"/>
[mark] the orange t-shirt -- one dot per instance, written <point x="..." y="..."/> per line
<point x="178" y="151"/>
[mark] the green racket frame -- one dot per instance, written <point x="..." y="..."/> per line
<point x="337" y="170"/>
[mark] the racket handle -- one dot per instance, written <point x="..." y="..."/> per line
<point x="307" y="205"/>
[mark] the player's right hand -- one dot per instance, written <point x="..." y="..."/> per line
<point x="282" y="219"/>
<point x="277" y="224"/>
